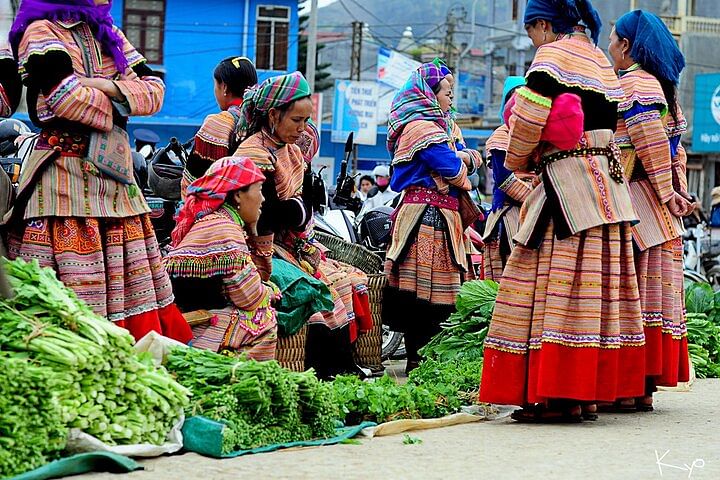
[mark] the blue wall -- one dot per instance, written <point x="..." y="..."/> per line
<point x="198" y="34"/>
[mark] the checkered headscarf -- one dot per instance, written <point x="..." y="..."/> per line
<point x="272" y="93"/>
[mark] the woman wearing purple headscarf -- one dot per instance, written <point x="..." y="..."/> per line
<point x="79" y="210"/>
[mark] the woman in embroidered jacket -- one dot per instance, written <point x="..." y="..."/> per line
<point x="210" y="255"/>
<point x="282" y="141"/>
<point x="566" y="328"/>
<point x="426" y="259"/>
<point x="219" y="134"/>
<point x="509" y="192"/>
<point x="650" y="123"/>
<point x="78" y="209"/>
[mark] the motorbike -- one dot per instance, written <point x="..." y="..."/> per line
<point x="701" y="252"/>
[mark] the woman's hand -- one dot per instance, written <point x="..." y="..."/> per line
<point x="106" y="86"/>
<point x="465" y="157"/>
<point x="678" y="205"/>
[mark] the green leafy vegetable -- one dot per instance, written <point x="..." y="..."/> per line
<point x="408" y="440"/>
<point x="260" y="402"/>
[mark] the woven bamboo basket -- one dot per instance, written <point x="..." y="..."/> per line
<point x="368" y="348"/>
<point x="350" y="253"/>
<point x="290" y="351"/>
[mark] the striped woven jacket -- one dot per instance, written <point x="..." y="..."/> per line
<point x="582" y="193"/>
<point x="70" y="186"/>
<point x="643" y="135"/>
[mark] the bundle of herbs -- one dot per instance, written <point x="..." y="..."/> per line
<point x="260" y="402"/>
<point x="108" y="390"/>
<point x="463" y="335"/>
<point x="434" y="389"/>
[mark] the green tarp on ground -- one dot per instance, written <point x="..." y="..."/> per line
<point x="82" y="463"/>
<point x="204" y="436"/>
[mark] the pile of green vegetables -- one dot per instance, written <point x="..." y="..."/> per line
<point x="464" y="333"/>
<point x="100" y="383"/>
<point x="434" y="389"/>
<point x="260" y="402"/>
<point x="32" y="432"/>
<point x="703" y="327"/>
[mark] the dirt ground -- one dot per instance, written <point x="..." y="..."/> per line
<point x="683" y="433"/>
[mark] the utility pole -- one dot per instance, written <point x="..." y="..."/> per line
<point x="355" y="57"/>
<point x="449" y="47"/>
<point x="356" y="50"/>
<point x="312" y="44"/>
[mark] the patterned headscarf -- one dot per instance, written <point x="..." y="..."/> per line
<point x="208" y="193"/>
<point x="416" y="101"/>
<point x="652" y="44"/>
<point x="440" y="63"/>
<point x="564" y="15"/>
<point x="272" y="93"/>
<point x="96" y="16"/>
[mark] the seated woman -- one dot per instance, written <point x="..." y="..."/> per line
<point x="210" y="264"/>
<point x="219" y="135"/>
<point x="276" y="116"/>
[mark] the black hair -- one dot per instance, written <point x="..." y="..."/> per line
<point x="670" y="90"/>
<point x="368" y="178"/>
<point x="437" y="87"/>
<point x="238" y="73"/>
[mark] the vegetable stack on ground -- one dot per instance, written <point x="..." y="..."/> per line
<point x="109" y="391"/>
<point x="260" y="402"/>
<point x="434" y="389"/>
<point x="703" y="328"/>
<point x="32" y="432"/>
<point x="463" y="335"/>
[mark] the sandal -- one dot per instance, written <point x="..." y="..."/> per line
<point x="618" y="406"/>
<point x="589" y="412"/>
<point x="542" y="414"/>
<point x="644" y="404"/>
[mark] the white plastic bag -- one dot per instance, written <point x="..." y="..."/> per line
<point x="80" y="442"/>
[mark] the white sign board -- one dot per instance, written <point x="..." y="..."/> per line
<point x="355" y="110"/>
<point x="394" y="68"/>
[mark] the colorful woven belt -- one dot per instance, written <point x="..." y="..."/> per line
<point x="422" y="195"/>
<point x="612" y="152"/>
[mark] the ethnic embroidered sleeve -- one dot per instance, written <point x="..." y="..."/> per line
<point x="246" y="290"/>
<point x="648" y="137"/>
<point x="72" y="101"/>
<point x="529" y="116"/>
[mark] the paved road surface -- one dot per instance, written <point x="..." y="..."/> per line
<point x="685" y="425"/>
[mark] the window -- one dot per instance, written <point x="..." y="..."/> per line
<point x="514" y="10"/>
<point x="144" y="26"/>
<point x="271" y="39"/>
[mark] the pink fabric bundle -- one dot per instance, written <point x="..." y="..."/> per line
<point x="564" y="127"/>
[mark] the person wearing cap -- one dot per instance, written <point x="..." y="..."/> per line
<point x="210" y="263"/>
<point x="145" y="142"/>
<point x="381" y="194"/>
<point x="715" y="204"/>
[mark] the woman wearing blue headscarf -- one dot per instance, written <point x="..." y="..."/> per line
<point x="509" y="192"/>
<point x="566" y="326"/>
<point x="650" y="123"/>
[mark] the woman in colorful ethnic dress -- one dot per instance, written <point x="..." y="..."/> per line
<point x="210" y="255"/>
<point x="79" y="210"/>
<point x="509" y="192"/>
<point x="426" y="260"/>
<point x="567" y="328"/>
<point x="276" y="117"/>
<point x="650" y="123"/>
<point x="219" y="135"/>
